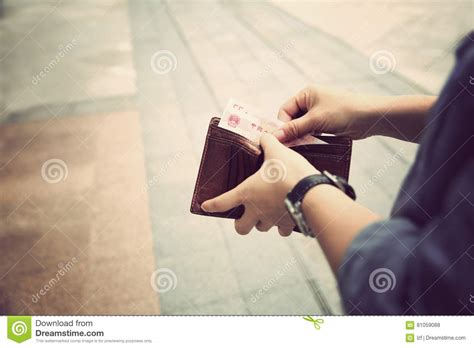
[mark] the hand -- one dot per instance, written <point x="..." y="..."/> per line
<point x="264" y="192"/>
<point x="321" y="110"/>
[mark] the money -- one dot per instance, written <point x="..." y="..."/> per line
<point x="239" y="118"/>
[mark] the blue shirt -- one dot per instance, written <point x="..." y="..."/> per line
<point x="421" y="259"/>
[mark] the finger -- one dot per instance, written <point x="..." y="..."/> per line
<point x="263" y="226"/>
<point x="293" y="107"/>
<point x="283" y="114"/>
<point x="269" y="142"/>
<point x="224" y="202"/>
<point x="294" y="129"/>
<point x="245" y="224"/>
<point x="285" y="231"/>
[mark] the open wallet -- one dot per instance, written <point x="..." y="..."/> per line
<point x="229" y="158"/>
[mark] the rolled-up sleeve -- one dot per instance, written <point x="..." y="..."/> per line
<point x="373" y="271"/>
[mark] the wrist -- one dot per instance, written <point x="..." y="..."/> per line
<point x="360" y="114"/>
<point x="366" y="114"/>
<point x="318" y="194"/>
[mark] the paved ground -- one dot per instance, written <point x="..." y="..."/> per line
<point x="420" y="36"/>
<point x="179" y="62"/>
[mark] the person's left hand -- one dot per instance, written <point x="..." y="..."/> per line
<point x="264" y="192"/>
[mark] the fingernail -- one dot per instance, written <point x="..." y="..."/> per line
<point x="203" y="206"/>
<point x="279" y="134"/>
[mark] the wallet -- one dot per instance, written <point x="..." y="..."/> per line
<point x="229" y="158"/>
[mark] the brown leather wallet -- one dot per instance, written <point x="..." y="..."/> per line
<point x="229" y="158"/>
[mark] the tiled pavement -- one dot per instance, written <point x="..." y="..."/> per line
<point x="252" y="51"/>
<point x="421" y="36"/>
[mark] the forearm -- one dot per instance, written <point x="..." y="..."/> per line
<point x="335" y="219"/>
<point x="402" y="117"/>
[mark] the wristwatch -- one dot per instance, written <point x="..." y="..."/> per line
<point x="294" y="199"/>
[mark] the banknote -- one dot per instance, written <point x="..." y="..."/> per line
<point x="241" y="118"/>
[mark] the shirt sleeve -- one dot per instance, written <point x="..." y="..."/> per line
<point x="374" y="268"/>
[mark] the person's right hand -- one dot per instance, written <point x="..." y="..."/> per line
<point x="324" y="111"/>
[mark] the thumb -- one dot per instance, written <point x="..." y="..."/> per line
<point x="269" y="142"/>
<point x="224" y="202"/>
<point x="294" y="129"/>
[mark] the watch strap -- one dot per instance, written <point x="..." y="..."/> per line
<point x="304" y="185"/>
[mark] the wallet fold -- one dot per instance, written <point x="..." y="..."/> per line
<point x="229" y="158"/>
